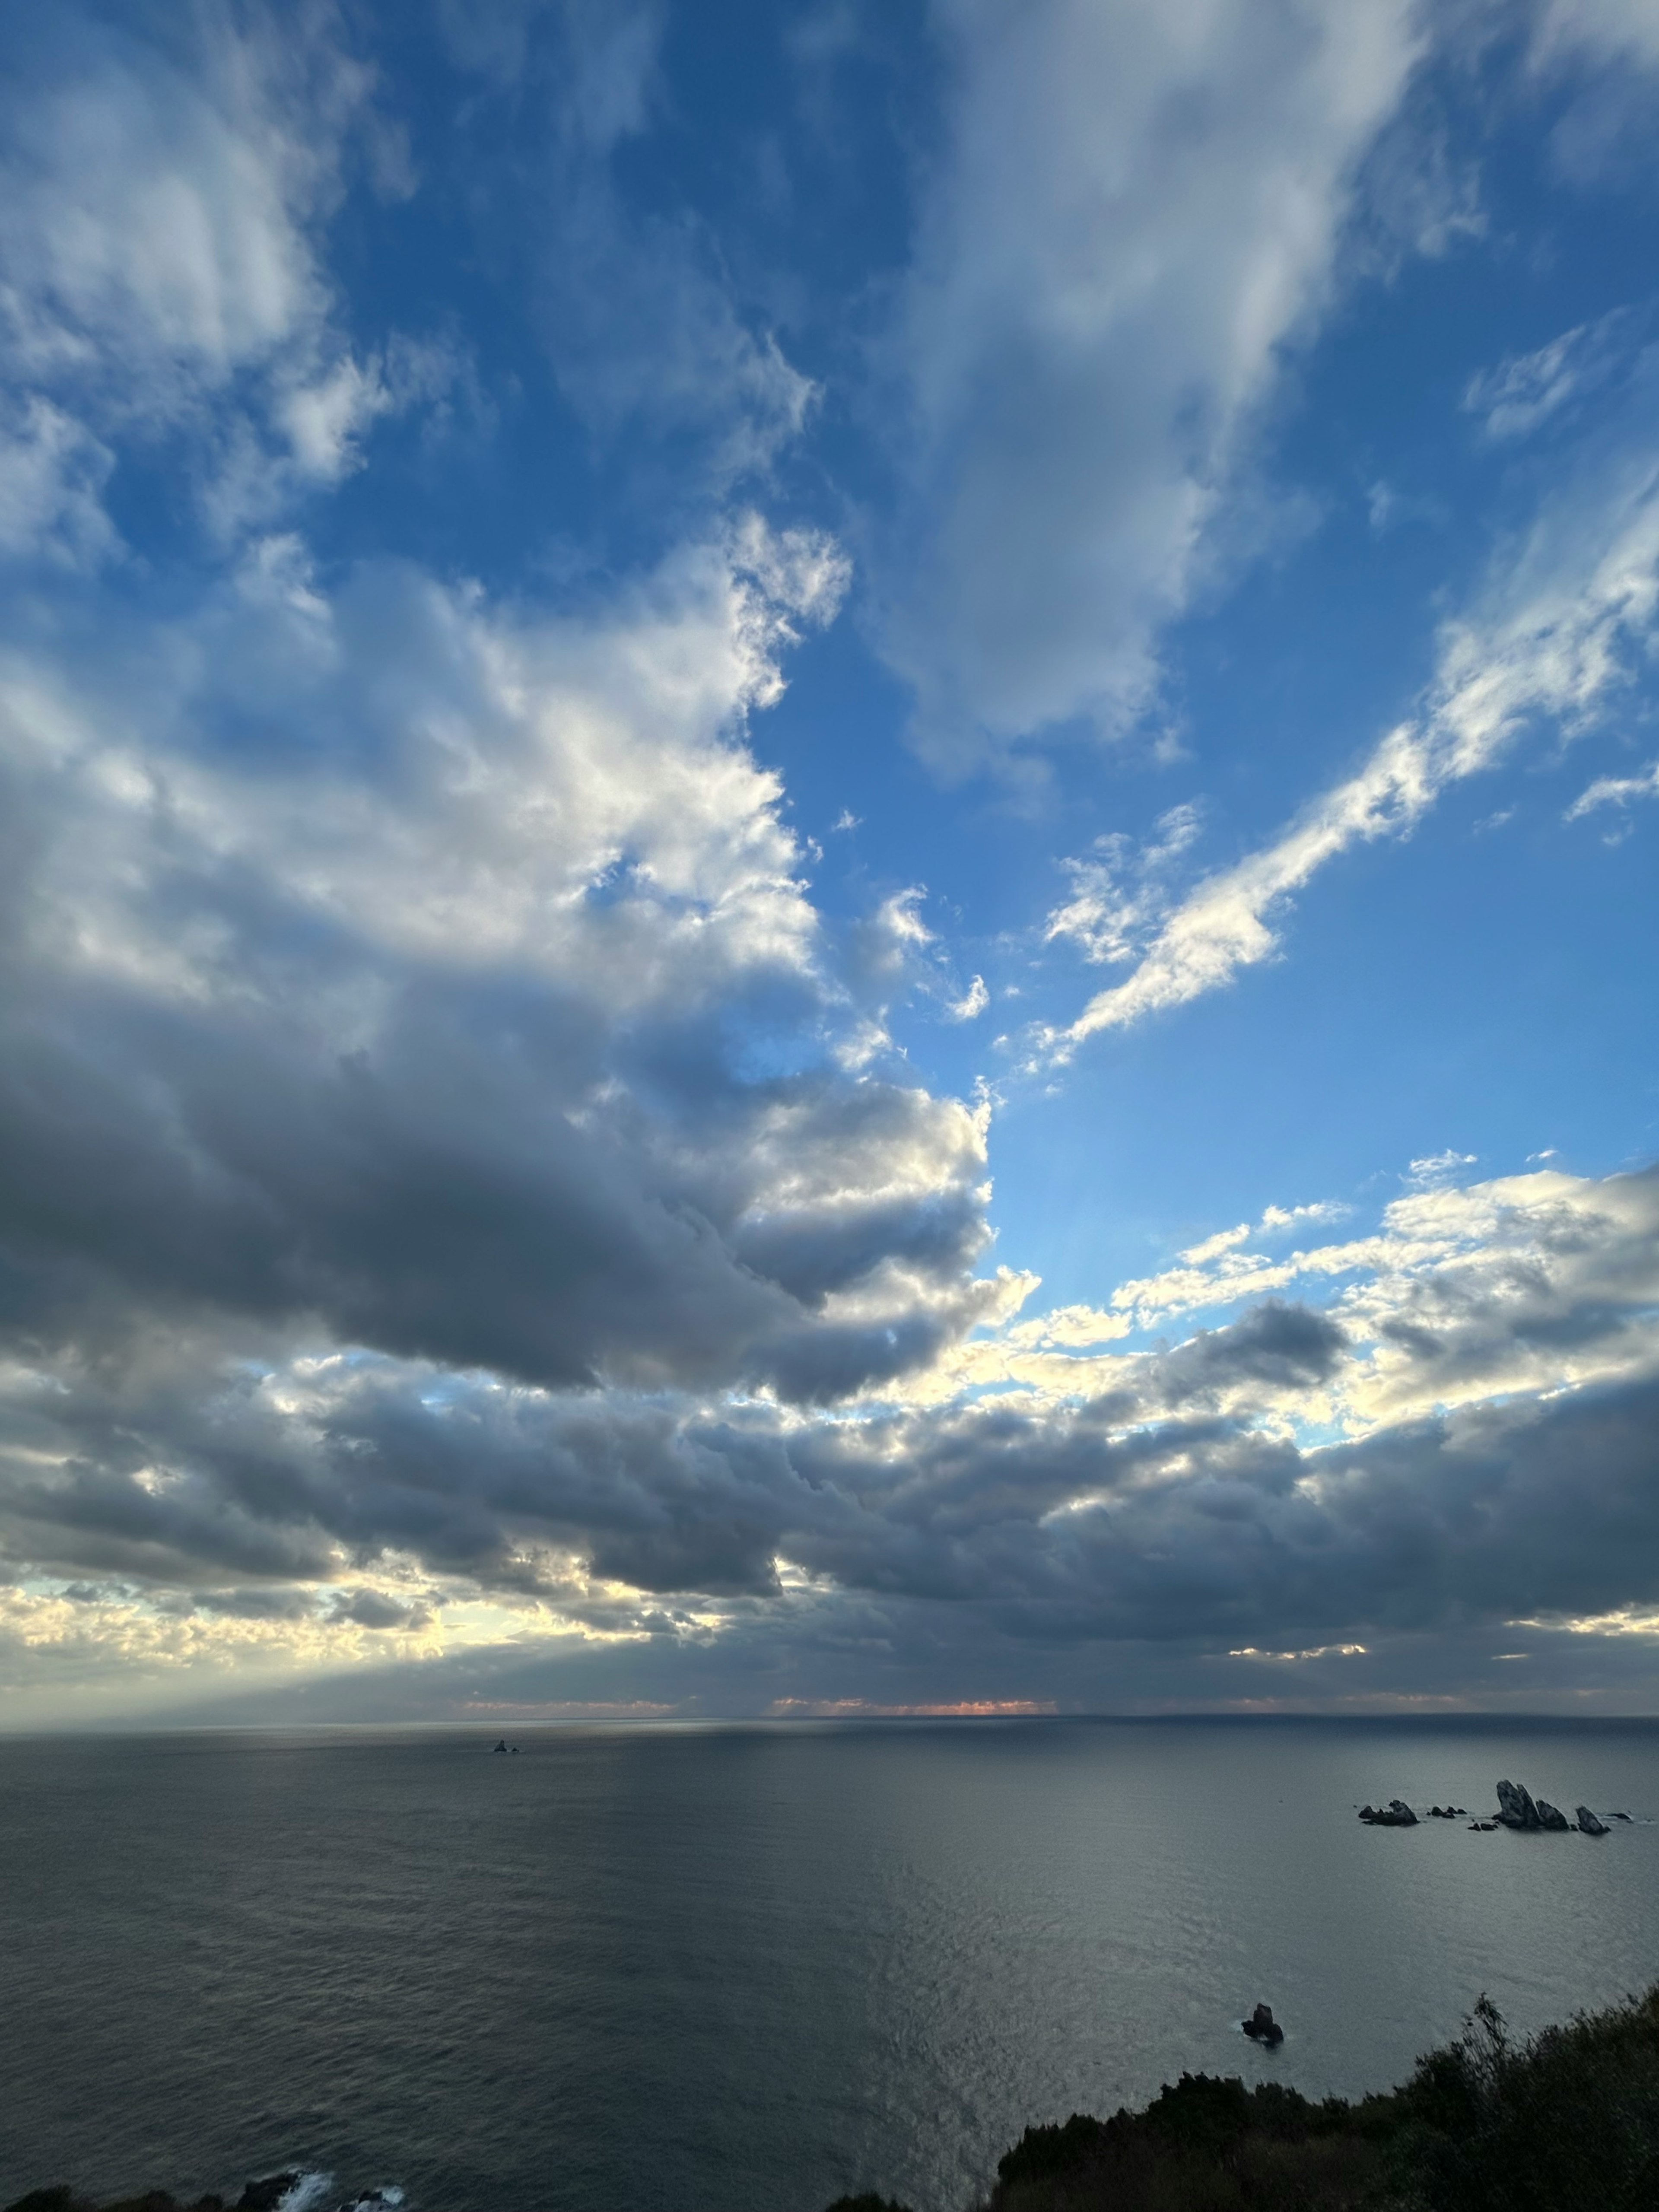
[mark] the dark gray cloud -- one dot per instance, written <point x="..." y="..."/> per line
<point x="355" y="1046"/>
<point x="1290" y="1346"/>
<point x="1092" y="1521"/>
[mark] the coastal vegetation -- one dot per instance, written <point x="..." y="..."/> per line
<point x="1548" y="2123"/>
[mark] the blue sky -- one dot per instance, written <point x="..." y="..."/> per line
<point x="832" y="869"/>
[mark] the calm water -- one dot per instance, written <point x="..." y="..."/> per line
<point x="719" y="1969"/>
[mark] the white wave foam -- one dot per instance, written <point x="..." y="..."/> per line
<point x="309" y="2189"/>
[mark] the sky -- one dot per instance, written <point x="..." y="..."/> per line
<point x="830" y="858"/>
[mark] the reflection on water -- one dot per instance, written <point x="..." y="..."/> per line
<point x="743" y="1969"/>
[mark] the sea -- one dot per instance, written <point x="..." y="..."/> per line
<point x="747" y="1968"/>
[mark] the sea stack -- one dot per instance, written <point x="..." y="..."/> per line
<point x="1515" y="1807"/>
<point x="1263" y="2027"/>
<point x="1587" y="1823"/>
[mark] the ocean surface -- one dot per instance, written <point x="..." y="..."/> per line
<point x="745" y="1968"/>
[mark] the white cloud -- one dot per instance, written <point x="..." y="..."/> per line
<point x="151" y="218"/>
<point x="1460" y="1292"/>
<point x="324" y="418"/>
<point x="1121" y="897"/>
<point x="52" y="477"/>
<point x="971" y="1005"/>
<point x="1619" y="30"/>
<point x="1212" y="1248"/>
<point x="1550" y="638"/>
<point x="1527" y="389"/>
<point x="1314" y="1651"/>
<point x="160" y="279"/>
<point x="1437" y="1169"/>
<point x="1137" y="208"/>
<point x="1614" y="791"/>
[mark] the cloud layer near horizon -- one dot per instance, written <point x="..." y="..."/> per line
<point x="1461" y="1443"/>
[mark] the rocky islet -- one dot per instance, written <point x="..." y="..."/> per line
<point x="1516" y="1809"/>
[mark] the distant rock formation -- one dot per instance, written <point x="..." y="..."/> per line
<point x="1515" y="1807"/>
<point x="500" y="1751"/>
<point x="1587" y="1823"/>
<point x="1396" y="1814"/>
<point x="1263" y="2027"/>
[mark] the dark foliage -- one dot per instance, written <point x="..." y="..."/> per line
<point x="1566" y="2119"/>
<point x="1204" y="2145"/>
<point x="1569" y="2117"/>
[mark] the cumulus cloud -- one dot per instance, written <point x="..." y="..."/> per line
<point x="1137" y="207"/>
<point x="154" y="210"/>
<point x="1529" y="1282"/>
<point x="1464" y="1436"/>
<point x="163" y="188"/>
<point x="448" y="979"/>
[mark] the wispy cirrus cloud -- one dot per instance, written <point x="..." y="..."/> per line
<point x="1122" y="892"/>
<point x="1617" y="791"/>
<point x="1551" y="640"/>
<point x="1526" y="390"/>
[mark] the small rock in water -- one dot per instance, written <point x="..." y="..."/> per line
<point x="1550" y="1816"/>
<point x="1483" y="1827"/>
<point x="1621" y="1816"/>
<point x="1587" y="1823"/>
<point x="1261" y="2025"/>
